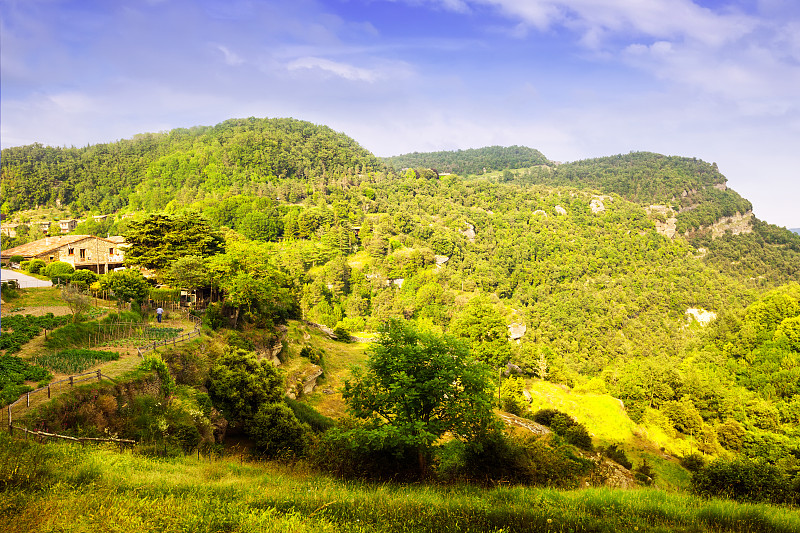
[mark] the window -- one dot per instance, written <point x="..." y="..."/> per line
<point x="83" y="253"/>
<point x="110" y="251"/>
<point x="71" y="251"/>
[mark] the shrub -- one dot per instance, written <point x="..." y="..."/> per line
<point x="84" y="278"/>
<point x="511" y="397"/>
<point x="644" y="473"/>
<point x="17" y="259"/>
<point x="59" y="270"/>
<point x="565" y="426"/>
<point x="341" y="333"/>
<point x="693" y="462"/>
<point x="495" y="458"/>
<point x="744" y="480"/>
<point x="617" y="454"/>
<point x="276" y="432"/>
<point x="544" y="416"/>
<point x="354" y="450"/>
<point x="35" y="266"/>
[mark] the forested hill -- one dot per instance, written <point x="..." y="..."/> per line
<point x="472" y="161"/>
<point x="695" y="189"/>
<point x="152" y="169"/>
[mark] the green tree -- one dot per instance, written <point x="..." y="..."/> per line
<point x="260" y="226"/>
<point x="189" y="272"/>
<point x="159" y="240"/>
<point x="127" y="285"/>
<point x="482" y="324"/>
<point x="239" y="385"/>
<point x="421" y="386"/>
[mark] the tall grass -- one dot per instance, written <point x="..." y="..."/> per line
<point x="100" y="489"/>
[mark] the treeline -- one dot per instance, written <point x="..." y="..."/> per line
<point x="150" y="170"/>
<point x="471" y="161"/>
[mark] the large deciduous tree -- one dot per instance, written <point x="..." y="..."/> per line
<point x="419" y="386"/>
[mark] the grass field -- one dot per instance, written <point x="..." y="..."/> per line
<point x="63" y="487"/>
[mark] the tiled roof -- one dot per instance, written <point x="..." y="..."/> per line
<point x="48" y="244"/>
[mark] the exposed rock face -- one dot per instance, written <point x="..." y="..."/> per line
<point x="303" y="382"/>
<point x="560" y="210"/>
<point x="310" y="382"/>
<point x="597" y="205"/>
<point x="668" y="228"/>
<point x="540" y="213"/>
<point x="469" y="233"/>
<point x="701" y="315"/>
<point x="516" y="331"/>
<point x="440" y="260"/>
<point x="737" y="224"/>
<point x="511" y="368"/>
<point x="530" y="425"/>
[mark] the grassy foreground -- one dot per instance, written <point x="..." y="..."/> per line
<point x="63" y="487"/>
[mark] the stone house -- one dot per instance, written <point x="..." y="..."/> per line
<point x="68" y="224"/>
<point x="81" y="251"/>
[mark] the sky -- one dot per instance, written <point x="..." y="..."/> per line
<point x="714" y="79"/>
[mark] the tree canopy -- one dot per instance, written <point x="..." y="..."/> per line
<point x="420" y="385"/>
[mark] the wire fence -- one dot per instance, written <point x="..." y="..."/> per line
<point x="141" y="350"/>
<point x="23" y="403"/>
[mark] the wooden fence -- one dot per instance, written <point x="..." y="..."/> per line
<point x="24" y="401"/>
<point x="141" y="350"/>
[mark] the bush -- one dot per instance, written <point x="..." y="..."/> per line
<point x="617" y="454"/>
<point x="644" y="473"/>
<point x="17" y="259"/>
<point x="341" y="333"/>
<point x="693" y="463"/>
<point x="35" y="266"/>
<point x="84" y="278"/>
<point x="59" y="270"/>
<point x="565" y="426"/>
<point x="354" y="450"/>
<point x="744" y="480"/>
<point x="276" y="432"/>
<point x="497" y="458"/>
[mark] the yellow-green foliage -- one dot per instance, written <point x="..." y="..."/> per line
<point x="100" y="489"/>
<point x="607" y="422"/>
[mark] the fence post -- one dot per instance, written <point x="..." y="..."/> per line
<point x="28" y="399"/>
<point x="10" y="427"/>
<point x="71" y="381"/>
<point x="48" y="390"/>
<point x="98" y="375"/>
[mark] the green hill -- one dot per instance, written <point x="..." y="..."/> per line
<point x="471" y="161"/>
<point x="150" y="170"/>
<point x="695" y="334"/>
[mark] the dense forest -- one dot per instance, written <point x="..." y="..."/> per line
<point x="152" y="169"/>
<point x="283" y="219"/>
<point x="472" y="161"/>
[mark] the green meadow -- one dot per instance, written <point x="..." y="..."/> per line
<point x="64" y="487"/>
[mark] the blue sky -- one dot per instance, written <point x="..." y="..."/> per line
<point x="717" y="80"/>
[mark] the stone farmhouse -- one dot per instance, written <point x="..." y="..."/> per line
<point x="81" y="251"/>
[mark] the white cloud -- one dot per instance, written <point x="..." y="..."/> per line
<point x="231" y="58"/>
<point x="342" y="70"/>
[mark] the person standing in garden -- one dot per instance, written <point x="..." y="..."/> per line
<point x="159" y="312"/>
